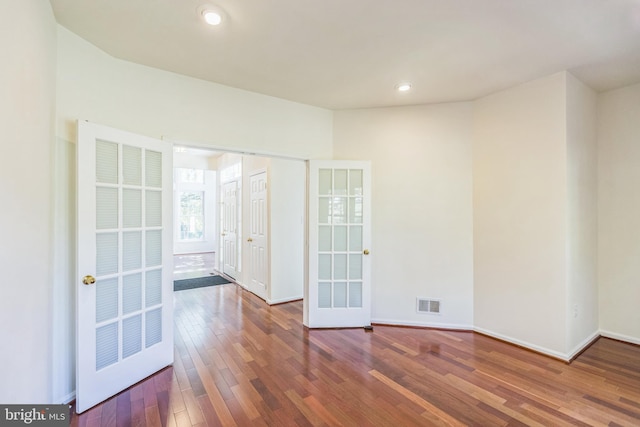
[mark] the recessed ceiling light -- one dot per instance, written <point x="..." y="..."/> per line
<point x="212" y="17"/>
<point x="403" y="87"/>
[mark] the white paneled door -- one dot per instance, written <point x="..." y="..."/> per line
<point x="230" y="199"/>
<point x="339" y="282"/>
<point x="124" y="326"/>
<point x="257" y="239"/>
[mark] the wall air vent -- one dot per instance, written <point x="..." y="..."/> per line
<point x="431" y="306"/>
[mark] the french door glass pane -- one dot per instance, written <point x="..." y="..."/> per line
<point x="153" y="248"/>
<point x="340" y="238"/>
<point x="106" y="299"/>
<point x="355" y="294"/>
<point x="324" y="295"/>
<point x="153" y="169"/>
<point x="153" y="288"/>
<point x="153" y="327"/>
<point x="339" y="208"/>
<point x="325" y="182"/>
<point x="131" y="336"/>
<point x="355" y="238"/>
<point x="340" y="182"/>
<point x="324" y="267"/>
<point x="324" y="214"/>
<point x="106" y="253"/>
<point x="153" y="208"/>
<point x="131" y="165"/>
<point x="106" y="162"/>
<point x="131" y="250"/>
<point x="340" y="294"/>
<point x="131" y="208"/>
<point x="340" y="267"/>
<point x="106" y="208"/>
<point x="131" y="293"/>
<point x="355" y="210"/>
<point x="106" y="345"/>
<point x="355" y="182"/>
<point x="324" y="238"/>
<point x="355" y="267"/>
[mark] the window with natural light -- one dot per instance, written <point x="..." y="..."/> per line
<point x="191" y="215"/>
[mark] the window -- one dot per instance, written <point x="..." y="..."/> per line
<point x="191" y="215"/>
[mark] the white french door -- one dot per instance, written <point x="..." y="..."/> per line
<point x="339" y="282"/>
<point x="124" y="302"/>
<point x="258" y="270"/>
<point x="230" y="248"/>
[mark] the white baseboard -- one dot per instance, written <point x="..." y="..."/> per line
<point x="537" y="348"/>
<point x="283" y="300"/>
<point x="67" y="398"/>
<point x="395" y="322"/>
<point x="583" y="345"/>
<point x="620" y="337"/>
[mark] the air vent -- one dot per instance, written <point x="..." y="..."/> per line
<point x="431" y="306"/>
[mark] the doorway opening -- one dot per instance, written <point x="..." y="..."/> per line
<point x="246" y="221"/>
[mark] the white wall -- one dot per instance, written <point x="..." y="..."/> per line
<point x="582" y="210"/>
<point x="287" y="201"/>
<point x="519" y="214"/>
<point x="619" y="212"/>
<point x="421" y="206"/>
<point x="27" y="109"/>
<point x="97" y="87"/>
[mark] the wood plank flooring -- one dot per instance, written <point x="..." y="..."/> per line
<point x="239" y="362"/>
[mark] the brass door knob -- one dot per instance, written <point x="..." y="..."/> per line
<point x="249" y="239"/>
<point x="366" y="252"/>
<point x="88" y="280"/>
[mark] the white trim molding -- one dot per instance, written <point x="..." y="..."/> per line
<point x="620" y="337"/>
<point x="433" y="325"/>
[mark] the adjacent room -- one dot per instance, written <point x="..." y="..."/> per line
<point x="427" y="211"/>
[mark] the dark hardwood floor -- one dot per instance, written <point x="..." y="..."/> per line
<point x="241" y="362"/>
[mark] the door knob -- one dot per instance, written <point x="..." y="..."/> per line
<point x="366" y="252"/>
<point x="88" y="280"/>
<point x="249" y="239"/>
<point x="224" y="234"/>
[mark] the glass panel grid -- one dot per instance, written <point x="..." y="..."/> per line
<point x="131" y="250"/>
<point x="106" y="345"/>
<point x="131" y="165"/>
<point x="153" y="249"/>
<point x="131" y="336"/>
<point x="106" y="162"/>
<point x="153" y="169"/>
<point x="153" y="208"/>
<point x="153" y="327"/>
<point x="106" y="208"/>
<point x="106" y="253"/>
<point x="355" y="294"/>
<point x="339" y="294"/>
<point x="324" y="295"/>
<point x="131" y="208"/>
<point x="153" y="288"/>
<point x="106" y="299"/>
<point x="324" y="267"/>
<point x="131" y="293"/>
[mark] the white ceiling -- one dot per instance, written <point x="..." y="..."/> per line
<point x="351" y="53"/>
